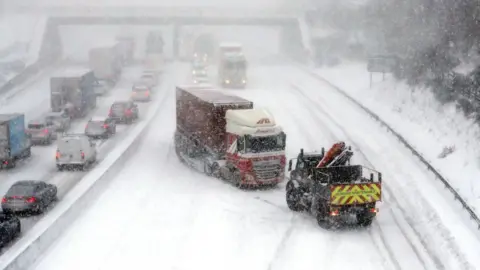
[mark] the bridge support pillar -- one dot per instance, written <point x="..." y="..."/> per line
<point x="51" y="48"/>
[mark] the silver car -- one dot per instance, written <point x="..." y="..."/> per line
<point x="60" y="120"/>
<point x="40" y="132"/>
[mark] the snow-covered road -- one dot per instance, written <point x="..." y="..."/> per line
<point x="34" y="101"/>
<point x="157" y="213"/>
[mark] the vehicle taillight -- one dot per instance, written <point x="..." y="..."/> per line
<point x="147" y="93"/>
<point x="334" y="212"/>
<point x="45" y="131"/>
<point x="110" y="113"/>
<point x="128" y="111"/>
<point x="82" y="154"/>
<point x="245" y="164"/>
<point x="373" y="210"/>
<point x="57" y="155"/>
<point x="105" y="126"/>
<point x="4" y="200"/>
<point x="283" y="160"/>
<point x="31" y="200"/>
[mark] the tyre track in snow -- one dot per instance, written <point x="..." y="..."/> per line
<point x="314" y="110"/>
<point x="334" y="243"/>
<point x="392" y="199"/>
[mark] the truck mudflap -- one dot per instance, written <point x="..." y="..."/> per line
<point x="350" y="194"/>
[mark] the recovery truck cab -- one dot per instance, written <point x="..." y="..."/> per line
<point x="327" y="186"/>
<point x="227" y="138"/>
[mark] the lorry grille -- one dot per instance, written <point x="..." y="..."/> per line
<point x="267" y="169"/>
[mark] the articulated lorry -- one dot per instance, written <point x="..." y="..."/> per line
<point x="106" y="63"/>
<point x="73" y="92"/>
<point x="335" y="192"/>
<point x="14" y="141"/>
<point x="225" y="137"/>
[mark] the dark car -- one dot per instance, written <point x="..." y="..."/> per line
<point x="100" y="127"/>
<point x="10" y="227"/>
<point x="123" y="111"/>
<point x="29" y="196"/>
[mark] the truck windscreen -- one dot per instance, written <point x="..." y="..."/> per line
<point x="265" y="143"/>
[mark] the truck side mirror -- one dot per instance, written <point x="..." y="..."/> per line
<point x="290" y="165"/>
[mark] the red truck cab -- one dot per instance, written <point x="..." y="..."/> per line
<point x="224" y="136"/>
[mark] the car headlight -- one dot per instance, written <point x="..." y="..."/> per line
<point x="194" y="81"/>
<point x="244" y="81"/>
<point x="227" y="81"/>
<point x="193" y="72"/>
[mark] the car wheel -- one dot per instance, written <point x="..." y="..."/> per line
<point x="60" y="168"/>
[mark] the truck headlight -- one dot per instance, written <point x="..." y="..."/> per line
<point x="227" y="81"/>
<point x="194" y="81"/>
<point x="249" y="178"/>
<point x="244" y="81"/>
<point x="194" y="72"/>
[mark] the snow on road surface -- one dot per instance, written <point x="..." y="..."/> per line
<point x="159" y="213"/>
<point x="428" y="125"/>
<point x="34" y="101"/>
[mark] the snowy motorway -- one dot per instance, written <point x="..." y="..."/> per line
<point x="158" y="214"/>
<point x="33" y="99"/>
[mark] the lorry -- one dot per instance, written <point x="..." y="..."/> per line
<point x="232" y="70"/>
<point x="127" y="47"/>
<point x="331" y="189"/>
<point x="14" y="141"/>
<point x="154" y="51"/>
<point x="106" y="63"/>
<point x="225" y="137"/>
<point x="72" y="92"/>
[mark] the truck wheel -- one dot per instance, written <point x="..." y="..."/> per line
<point x="237" y="179"/>
<point x="293" y="196"/>
<point x="60" y="168"/>
<point x="27" y="153"/>
<point x="207" y="168"/>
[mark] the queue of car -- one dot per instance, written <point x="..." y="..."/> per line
<point x="74" y="151"/>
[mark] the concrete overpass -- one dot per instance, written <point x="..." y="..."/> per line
<point x="177" y="17"/>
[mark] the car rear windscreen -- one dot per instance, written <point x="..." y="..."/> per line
<point x="36" y="126"/>
<point x="21" y="190"/>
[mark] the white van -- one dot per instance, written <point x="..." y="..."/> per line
<point x="75" y="151"/>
